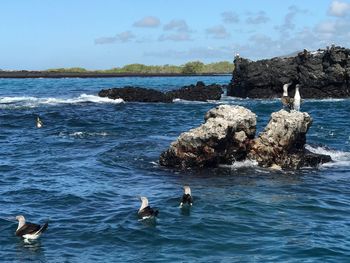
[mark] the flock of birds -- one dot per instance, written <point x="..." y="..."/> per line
<point x="29" y="231"/>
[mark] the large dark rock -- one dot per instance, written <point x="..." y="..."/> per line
<point x="322" y="74"/>
<point x="198" y="92"/>
<point x="228" y="134"/>
<point x="135" y="94"/>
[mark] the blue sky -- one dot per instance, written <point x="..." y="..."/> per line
<point x="101" y="34"/>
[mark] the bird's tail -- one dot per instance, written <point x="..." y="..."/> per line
<point x="43" y="228"/>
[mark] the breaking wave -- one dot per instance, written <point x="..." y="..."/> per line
<point x="24" y="101"/>
<point x="339" y="158"/>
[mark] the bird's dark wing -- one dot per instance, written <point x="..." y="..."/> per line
<point x="28" y="228"/>
<point x="148" y="211"/>
<point x="186" y="198"/>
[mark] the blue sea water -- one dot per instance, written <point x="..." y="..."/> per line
<point x="85" y="169"/>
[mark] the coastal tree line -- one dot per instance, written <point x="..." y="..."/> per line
<point x="192" y="67"/>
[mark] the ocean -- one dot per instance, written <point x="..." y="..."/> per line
<point x="93" y="158"/>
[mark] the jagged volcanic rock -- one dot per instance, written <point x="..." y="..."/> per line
<point x="322" y="74"/>
<point x="198" y="92"/>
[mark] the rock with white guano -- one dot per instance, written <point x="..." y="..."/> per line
<point x="222" y="139"/>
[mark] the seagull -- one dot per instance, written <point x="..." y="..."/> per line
<point x="29" y="230"/>
<point x="145" y="210"/>
<point x="297" y="98"/>
<point x="39" y="122"/>
<point x="186" y="197"/>
<point x="286" y="100"/>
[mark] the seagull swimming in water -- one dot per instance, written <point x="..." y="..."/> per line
<point x="39" y="122"/>
<point x="297" y="98"/>
<point x="29" y="230"/>
<point x="286" y="100"/>
<point x="186" y="197"/>
<point x="145" y="210"/>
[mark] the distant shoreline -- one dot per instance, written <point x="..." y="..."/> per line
<point x="44" y="74"/>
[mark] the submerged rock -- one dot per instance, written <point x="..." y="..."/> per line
<point x="198" y="92"/>
<point x="223" y="138"/>
<point x="228" y="136"/>
<point x="322" y="74"/>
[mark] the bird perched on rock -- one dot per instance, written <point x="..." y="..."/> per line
<point x="28" y="230"/>
<point x="145" y="210"/>
<point x="186" y="197"/>
<point x="286" y="100"/>
<point x="39" y="122"/>
<point x="297" y="98"/>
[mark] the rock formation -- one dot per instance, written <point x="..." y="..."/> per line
<point x="282" y="143"/>
<point x="227" y="135"/>
<point x="135" y="94"/>
<point x="198" y="92"/>
<point x="223" y="138"/>
<point x="322" y="74"/>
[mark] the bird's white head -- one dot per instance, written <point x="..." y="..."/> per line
<point x="144" y="203"/>
<point x="285" y="88"/>
<point x="187" y="190"/>
<point x="21" y="221"/>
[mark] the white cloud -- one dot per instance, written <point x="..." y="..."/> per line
<point x="218" y="32"/>
<point x="230" y="17"/>
<point x="339" y="8"/>
<point x="177" y="37"/>
<point x="179" y="25"/>
<point x="148" y="21"/>
<point x="258" y="18"/>
<point x="123" y="37"/>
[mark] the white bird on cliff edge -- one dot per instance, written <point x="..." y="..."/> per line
<point x="297" y="98"/>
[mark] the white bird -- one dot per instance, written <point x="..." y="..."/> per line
<point x="145" y="210"/>
<point x="297" y="98"/>
<point x="39" y="122"/>
<point x="186" y="197"/>
<point x="29" y="230"/>
<point x="286" y="100"/>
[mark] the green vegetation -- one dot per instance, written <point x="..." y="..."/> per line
<point x="193" y="67"/>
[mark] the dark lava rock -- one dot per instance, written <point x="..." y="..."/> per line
<point x="322" y="74"/>
<point x="135" y="94"/>
<point x="198" y="92"/>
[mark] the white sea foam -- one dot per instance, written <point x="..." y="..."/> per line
<point x="339" y="158"/>
<point x="37" y="101"/>
<point x="243" y="164"/>
<point x="81" y="134"/>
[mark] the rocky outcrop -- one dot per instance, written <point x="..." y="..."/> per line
<point x="322" y="74"/>
<point x="228" y="136"/>
<point x="223" y="138"/>
<point x="282" y="143"/>
<point x="198" y="92"/>
<point x="135" y="94"/>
